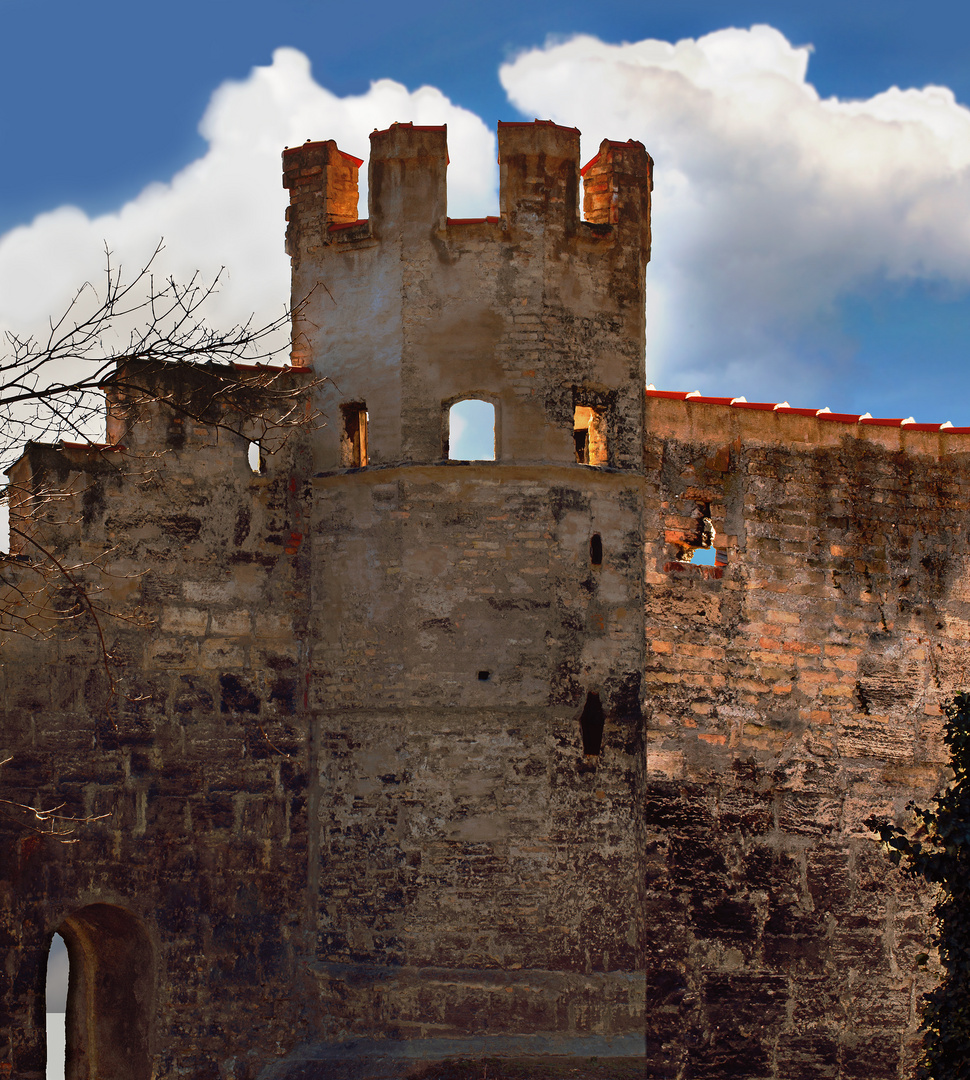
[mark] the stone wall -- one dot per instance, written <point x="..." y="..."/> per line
<point x="791" y="693"/>
<point x="172" y="715"/>
<point x="387" y="756"/>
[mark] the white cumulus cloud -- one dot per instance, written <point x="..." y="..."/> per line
<point x="226" y="208"/>
<point x="770" y="203"/>
<point x="770" y="206"/>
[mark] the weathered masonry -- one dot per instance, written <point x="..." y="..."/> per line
<point x="396" y="756"/>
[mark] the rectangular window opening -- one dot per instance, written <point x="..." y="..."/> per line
<point x="471" y="430"/>
<point x="589" y="435"/>
<point x="353" y="437"/>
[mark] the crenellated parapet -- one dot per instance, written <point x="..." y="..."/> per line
<point x="534" y="310"/>
<point x="53" y="490"/>
<point x="539" y="185"/>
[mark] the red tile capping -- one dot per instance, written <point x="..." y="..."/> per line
<point x="819" y="414"/>
<point x="413" y="127"/>
<point x="266" y="367"/>
<point x="336" y="227"/>
<point x="303" y="146"/>
<point x="99" y="446"/>
<point x="611" y="142"/>
<point x="533" y="123"/>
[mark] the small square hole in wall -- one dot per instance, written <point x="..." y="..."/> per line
<point x="484" y="676"/>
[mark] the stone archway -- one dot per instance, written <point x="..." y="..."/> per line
<point x="109" y="998"/>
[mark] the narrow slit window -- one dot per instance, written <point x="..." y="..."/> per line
<point x="596" y="549"/>
<point x="589" y="435"/>
<point x="591" y="724"/>
<point x="471" y="431"/>
<point x="256" y="461"/>
<point x="353" y="437"/>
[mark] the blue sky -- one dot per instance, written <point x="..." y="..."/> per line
<point x="812" y="230"/>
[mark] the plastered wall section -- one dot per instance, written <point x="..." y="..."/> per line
<point x="187" y="746"/>
<point x="791" y="694"/>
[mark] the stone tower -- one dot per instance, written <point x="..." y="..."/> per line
<point x="477" y="637"/>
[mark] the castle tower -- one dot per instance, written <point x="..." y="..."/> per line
<point x="478" y="635"/>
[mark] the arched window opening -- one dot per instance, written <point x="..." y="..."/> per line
<point x="58" y="966"/>
<point x="591" y="724"/>
<point x="109" y="995"/>
<point x="589" y="434"/>
<point x="256" y="461"/>
<point x="471" y="431"/>
<point x="353" y="436"/>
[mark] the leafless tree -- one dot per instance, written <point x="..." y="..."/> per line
<point x="50" y="822"/>
<point x="49" y="384"/>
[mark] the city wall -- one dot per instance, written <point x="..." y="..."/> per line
<point x="385" y="756"/>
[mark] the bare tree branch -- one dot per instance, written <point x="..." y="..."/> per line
<point x="49" y="384"/>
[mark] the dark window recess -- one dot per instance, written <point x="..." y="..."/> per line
<point x="353" y="438"/>
<point x="591" y="724"/>
<point x="581" y="438"/>
<point x="484" y="676"/>
<point x="596" y="549"/>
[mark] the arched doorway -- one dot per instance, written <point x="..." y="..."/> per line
<point x="109" y="997"/>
